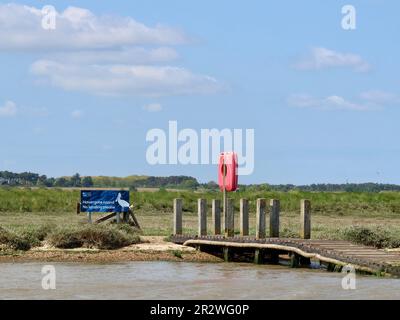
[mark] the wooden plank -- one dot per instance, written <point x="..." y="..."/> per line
<point x="135" y="221"/>
<point x="105" y="218"/>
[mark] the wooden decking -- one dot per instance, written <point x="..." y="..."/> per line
<point x="329" y="252"/>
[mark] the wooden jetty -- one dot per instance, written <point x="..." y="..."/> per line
<point x="301" y="252"/>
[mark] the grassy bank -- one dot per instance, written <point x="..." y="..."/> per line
<point x="369" y="218"/>
<point x="71" y="236"/>
<point x="26" y="200"/>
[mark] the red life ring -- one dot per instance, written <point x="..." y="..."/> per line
<point x="230" y="161"/>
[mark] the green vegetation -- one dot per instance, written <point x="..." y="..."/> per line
<point x="373" y="236"/>
<point x="387" y="204"/>
<point x="70" y="236"/>
<point x="34" y="215"/>
<point x="177" y="254"/>
<point x="13" y="241"/>
<point x="92" y="236"/>
<point x="28" y="179"/>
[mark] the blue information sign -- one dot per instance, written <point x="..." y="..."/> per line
<point x="104" y="201"/>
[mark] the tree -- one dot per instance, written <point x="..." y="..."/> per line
<point x="41" y="182"/>
<point x="61" y="182"/>
<point x="76" y="180"/>
<point x="49" y="182"/>
<point x="87" y="182"/>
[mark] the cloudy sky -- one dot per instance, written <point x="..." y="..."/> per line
<point x="324" y="102"/>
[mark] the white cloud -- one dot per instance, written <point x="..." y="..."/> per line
<point x="77" y="114"/>
<point x="380" y="97"/>
<point x="9" y="109"/>
<point x="320" y="58"/>
<point x="103" y="55"/>
<point x="125" y="79"/>
<point x="153" y="107"/>
<point x="135" y="55"/>
<point x="333" y="102"/>
<point x="77" y="28"/>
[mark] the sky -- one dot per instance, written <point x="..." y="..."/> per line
<point x="323" y="101"/>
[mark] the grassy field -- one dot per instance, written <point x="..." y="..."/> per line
<point x="371" y="218"/>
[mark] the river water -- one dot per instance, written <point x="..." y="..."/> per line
<point x="171" y="280"/>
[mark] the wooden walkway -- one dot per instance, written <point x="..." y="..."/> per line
<point x="333" y="254"/>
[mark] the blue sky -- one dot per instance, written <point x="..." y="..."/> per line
<point x="324" y="102"/>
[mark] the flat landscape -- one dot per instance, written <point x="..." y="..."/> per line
<point x="46" y="217"/>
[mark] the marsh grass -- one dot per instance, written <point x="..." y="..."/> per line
<point x="69" y="236"/>
<point x="12" y="241"/>
<point x="373" y="236"/>
<point x="35" y="215"/>
<point x="25" y="200"/>
<point x="92" y="236"/>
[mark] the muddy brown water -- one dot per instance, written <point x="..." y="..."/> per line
<point x="172" y="280"/>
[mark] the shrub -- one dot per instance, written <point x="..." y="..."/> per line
<point x="13" y="241"/>
<point x="94" y="236"/>
<point x="35" y="234"/>
<point x="376" y="237"/>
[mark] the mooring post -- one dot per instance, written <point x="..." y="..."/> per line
<point x="202" y="213"/>
<point x="274" y="218"/>
<point x="305" y="219"/>
<point x="228" y="254"/>
<point x="244" y="217"/>
<point x="258" y="256"/>
<point x="229" y="219"/>
<point x="216" y="216"/>
<point x="260" y="219"/>
<point x="177" y="216"/>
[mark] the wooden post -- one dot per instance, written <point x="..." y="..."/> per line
<point x="216" y="216"/>
<point x="177" y="216"/>
<point x="202" y="213"/>
<point x="258" y="256"/>
<point x="260" y="219"/>
<point x="229" y="219"/>
<point x="78" y="208"/>
<point x="135" y="221"/>
<point x="305" y="219"/>
<point x="274" y="219"/>
<point x="244" y="217"/>
<point x="228" y="254"/>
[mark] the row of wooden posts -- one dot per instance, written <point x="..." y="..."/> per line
<point x="229" y="218"/>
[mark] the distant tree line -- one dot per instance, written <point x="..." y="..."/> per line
<point x="28" y="179"/>
<point x="183" y="182"/>
<point x="324" y="187"/>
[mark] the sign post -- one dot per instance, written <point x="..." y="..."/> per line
<point x="114" y="202"/>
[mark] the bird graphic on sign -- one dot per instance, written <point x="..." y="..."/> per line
<point x="122" y="203"/>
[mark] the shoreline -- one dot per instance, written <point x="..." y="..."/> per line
<point x="153" y="248"/>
